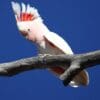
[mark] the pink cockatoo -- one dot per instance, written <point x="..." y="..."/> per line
<point x="31" y="26"/>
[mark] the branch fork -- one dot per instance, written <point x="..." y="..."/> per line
<point x="76" y="63"/>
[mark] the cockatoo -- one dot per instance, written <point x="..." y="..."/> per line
<point x="31" y="26"/>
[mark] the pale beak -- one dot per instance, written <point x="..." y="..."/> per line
<point x="24" y="33"/>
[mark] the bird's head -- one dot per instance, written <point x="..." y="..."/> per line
<point x="25" y="16"/>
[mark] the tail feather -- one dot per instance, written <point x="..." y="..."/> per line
<point x="81" y="79"/>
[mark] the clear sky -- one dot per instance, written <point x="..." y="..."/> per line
<point x="77" y="21"/>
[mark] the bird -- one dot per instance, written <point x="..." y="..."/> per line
<point x="32" y="27"/>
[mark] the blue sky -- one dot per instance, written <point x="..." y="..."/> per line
<point x="77" y="21"/>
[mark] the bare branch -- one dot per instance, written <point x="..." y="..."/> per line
<point x="80" y="62"/>
<point x="39" y="62"/>
<point x="76" y="64"/>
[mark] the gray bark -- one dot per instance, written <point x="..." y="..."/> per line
<point x="76" y="63"/>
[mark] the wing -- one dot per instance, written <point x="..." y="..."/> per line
<point x="59" y="42"/>
<point x="82" y="78"/>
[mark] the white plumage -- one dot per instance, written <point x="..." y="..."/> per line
<point x="16" y="8"/>
<point x="23" y="8"/>
<point x="59" y="42"/>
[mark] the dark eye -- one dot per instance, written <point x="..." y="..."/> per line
<point x="28" y="29"/>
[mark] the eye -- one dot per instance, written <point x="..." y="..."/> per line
<point x="28" y="30"/>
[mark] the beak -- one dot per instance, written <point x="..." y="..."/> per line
<point x="24" y="33"/>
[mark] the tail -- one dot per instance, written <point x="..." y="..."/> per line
<point x="82" y="79"/>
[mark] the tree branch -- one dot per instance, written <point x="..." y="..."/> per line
<point x="76" y="64"/>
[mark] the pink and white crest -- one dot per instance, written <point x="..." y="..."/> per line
<point x="24" y="12"/>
